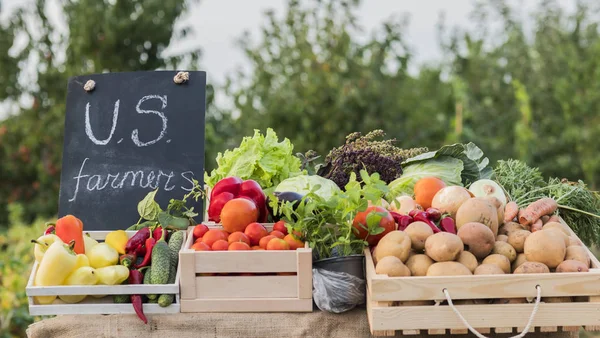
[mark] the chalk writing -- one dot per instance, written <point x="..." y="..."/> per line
<point x="88" y="126"/>
<point x="134" y="134"/>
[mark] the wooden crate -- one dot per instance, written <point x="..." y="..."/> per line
<point x="386" y="314"/>
<point x="283" y="280"/>
<point x="104" y="305"/>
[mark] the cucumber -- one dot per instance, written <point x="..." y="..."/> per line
<point x="161" y="264"/>
<point x="121" y="299"/>
<point x="175" y="243"/>
<point x="147" y="281"/>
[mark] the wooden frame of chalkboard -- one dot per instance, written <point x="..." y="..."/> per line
<point x="103" y="305"/>
<point x="127" y="134"/>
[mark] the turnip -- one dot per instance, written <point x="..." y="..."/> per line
<point x="449" y="199"/>
<point x="488" y="188"/>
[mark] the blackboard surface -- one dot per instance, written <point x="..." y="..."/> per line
<point x="133" y="133"/>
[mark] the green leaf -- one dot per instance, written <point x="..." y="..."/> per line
<point x="167" y="220"/>
<point x="148" y="208"/>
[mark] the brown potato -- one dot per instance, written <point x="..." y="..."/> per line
<point x="468" y="259"/>
<point x="477" y="238"/>
<point x="500" y="260"/>
<point x="503" y="248"/>
<point x="509" y="227"/>
<point x="574" y="241"/>
<point x="499" y="208"/>
<point x="394" y="243"/>
<point x="443" y="247"/>
<point x="418" y="232"/>
<point x="557" y="225"/>
<point x="520" y="260"/>
<point x="532" y="267"/>
<point x="391" y="266"/>
<point x="578" y="253"/>
<point x="448" y="269"/>
<point x="547" y="247"/>
<point x="502" y="238"/>
<point x="516" y="239"/>
<point x="561" y="234"/>
<point x="418" y="264"/>
<point x="572" y="266"/>
<point x="488" y="269"/>
<point x="479" y="210"/>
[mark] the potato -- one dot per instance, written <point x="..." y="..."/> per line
<point x="479" y="210"/>
<point x="572" y="266"/>
<point x="391" y="266"/>
<point x="520" y="260"/>
<point x="418" y="264"/>
<point x="449" y="199"/>
<point x="532" y="267"/>
<point x="477" y="238"/>
<point x="499" y="207"/>
<point x="394" y="243"/>
<point x="418" y="232"/>
<point x="557" y="299"/>
<point x="500" y="260"/>
<point x="468" y="259"/>
<point x="574" y="241"/>
<point x="578" y="253"/>
<point x="561" y="234"/>
<point x="509" y="227"/>
<point x="557" y="225"/>
<point x="502" y="238"/>
<point x="505" y="249"/>
<point x="448" y="269"/>
<point x="547" y="247"/>
<point x="489" y="269"/>
<point x="443" y="246"/>
<point x="516" y="239"/>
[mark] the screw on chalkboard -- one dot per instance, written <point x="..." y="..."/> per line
<point x="181" y="77"/>
<point x="89" y="85"/>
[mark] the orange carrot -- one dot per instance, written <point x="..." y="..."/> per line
<point x="537" y="225"/>
<point x="511" y="210"/>
<point x="537" y="209"/>
<point x="70" y="228"/>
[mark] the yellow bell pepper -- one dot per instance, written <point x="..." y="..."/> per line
<point x="42" y="244"/>
<point x="56" y="265"/>
<point x="84" y="275"/>
<point x="102" y="255"/>
<point x="88" y="243"/>
<point x="117" y="239"/>
<point x="111" y="275"/>
<point x="82" y="260"/>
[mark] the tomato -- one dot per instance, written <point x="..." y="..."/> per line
<point x="386" y="222"/>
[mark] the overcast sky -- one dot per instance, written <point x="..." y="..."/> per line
<point x="217" y="23"/>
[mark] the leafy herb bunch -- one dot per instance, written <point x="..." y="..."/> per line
<point x="365" y="152"/>
<point x="327" y="225"/>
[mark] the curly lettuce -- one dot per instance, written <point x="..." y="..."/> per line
<point x="262" y="158"/>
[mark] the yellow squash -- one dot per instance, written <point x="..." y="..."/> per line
<point x="42" y="244"/>
<point x="57" y="264"/>
<point x="84" y="275"/>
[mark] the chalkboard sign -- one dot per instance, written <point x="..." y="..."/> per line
<point x="133" y="133"/>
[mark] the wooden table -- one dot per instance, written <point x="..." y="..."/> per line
<point x="203" y="325"/>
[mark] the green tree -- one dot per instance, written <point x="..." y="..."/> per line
<point x="101" y="36"/>
<point x="314" y="82"/>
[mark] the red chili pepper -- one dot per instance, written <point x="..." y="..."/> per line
<point x="136" y="277"/>
<point x="447" y="224"/>
<point x="157" y="233"/>
<point x="148" y="257"/>
<point x="413" y="212"/>
<point x="422" y="217"/>
<point x="128" y="259"/>
<point x="140" y="250"/>
<point x="49" y="230"/>
<point x="136" y="240"/>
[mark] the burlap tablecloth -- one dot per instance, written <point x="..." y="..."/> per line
<point x="203" y="325"/>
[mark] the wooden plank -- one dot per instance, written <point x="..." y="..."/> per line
<point x="489" y="315"/>
<point x="236" y="287"/>
<point x="570" y="328"/>
<point x="593" y="300"/>
<point x="383" y="333"/>
<point x="436" y="332"/>
<point x="247" y="305"/>
<point x="548" y="329"/>
<point x="411" y="332"/>
<point x="369" y="267"/>
<point x="521" y="329"/>
<point x="486" y="330"/>
<point x="245" y="261"/>
<point x="305" y="275"/>
<point x="188" y="270"/>
<point x="484" y="286"/>
<point x="459" y="331"/>
<point x="503" y="330"/>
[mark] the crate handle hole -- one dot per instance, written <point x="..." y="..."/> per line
<point x="520" y="335"/>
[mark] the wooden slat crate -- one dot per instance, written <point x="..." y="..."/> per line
<point x="219" y="281"/>
<point x="389" y="308"/>
<point x="104" y="305"/>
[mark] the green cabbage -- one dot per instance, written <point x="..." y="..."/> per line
<point x="303" y="184"/>
<point x="261" y="158"/>
<point x="446" y="168"/>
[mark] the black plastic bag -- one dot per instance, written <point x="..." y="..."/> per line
<point x="337" y="292"/>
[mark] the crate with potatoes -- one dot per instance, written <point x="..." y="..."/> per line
<point x="496" y="256"/>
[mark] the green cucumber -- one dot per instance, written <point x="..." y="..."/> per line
<point x="175" y="243"/>
<point x="161" y="264"/>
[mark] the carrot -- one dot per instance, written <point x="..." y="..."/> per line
<point x="537" y="209"/>
<point x="537" y="225"/>
<point x="511" y="210"/>
<point x="554" y="218"/>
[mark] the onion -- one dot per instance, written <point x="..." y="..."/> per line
<point x="488" y="188"/>
<point x="449" y="199"/>
<point x="403" y="205"/>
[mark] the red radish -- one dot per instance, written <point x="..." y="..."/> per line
<point x="447" y="224"/>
